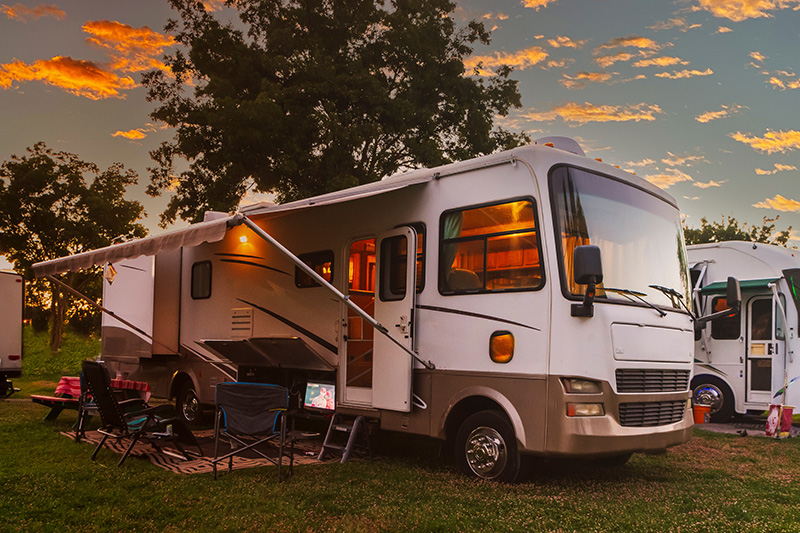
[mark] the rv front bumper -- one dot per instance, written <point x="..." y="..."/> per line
<point x="603" y="423"/>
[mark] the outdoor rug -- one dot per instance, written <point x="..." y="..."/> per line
<point x="306" y="452"/>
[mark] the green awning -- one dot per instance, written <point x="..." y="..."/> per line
<point x="721" y="287"/>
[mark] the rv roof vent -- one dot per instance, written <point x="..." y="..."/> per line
<point x="562" y="143"/>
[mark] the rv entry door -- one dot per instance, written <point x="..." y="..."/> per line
<point x="395" y="293"/>
<point x="764" y="350"/>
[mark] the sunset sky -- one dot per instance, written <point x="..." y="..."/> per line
<point x="697" y="96"/>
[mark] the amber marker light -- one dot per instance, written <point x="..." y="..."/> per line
<point x="501" y="346"/>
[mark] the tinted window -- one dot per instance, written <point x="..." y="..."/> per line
<point x="319" y="262"/>
<point x="728" y="327"/>
<point x="201" y="280"/>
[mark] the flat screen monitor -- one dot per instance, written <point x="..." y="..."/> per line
<point x="320" y="396"/>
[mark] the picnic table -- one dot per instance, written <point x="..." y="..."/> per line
<point x="68" y="393"/>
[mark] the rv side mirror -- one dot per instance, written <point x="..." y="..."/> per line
<point x="733" y="301"/>
<point x="734" y="294"/>
<point x="587" y="270"/>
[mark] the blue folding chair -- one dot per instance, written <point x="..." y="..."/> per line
<point x="249" y="416"/>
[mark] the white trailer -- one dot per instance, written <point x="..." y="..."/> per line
<point x="742" y="361"/>
<point x="502" y="304"/>
<point x="12" y="287"/>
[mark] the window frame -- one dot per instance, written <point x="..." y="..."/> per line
<point x="195" y="267"/>
<point x="537" y="231"/>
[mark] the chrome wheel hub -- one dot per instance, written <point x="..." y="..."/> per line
<point x="708" y="395"/>
<point x="486" y="452"/>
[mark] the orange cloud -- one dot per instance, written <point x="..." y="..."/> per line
<point x="521" y="60"/>
<point x="685" y="74"/>
<point x="772" y="141"/>
<point x="724" y="112"/>
<point x="669" y="178"/>
<point x="686" y="160"/>
<point x="663" y="61"/>
<point x="583" y="113"/>
<point x="607" y="61"/>
<point x="676" y="23"/>
<point x="778" y="167"/>
<point x="581" y="78"/>
<point x="133" y="135"/>
<point x="24" y="13"/>
<point x="708" y="184"/>
<point x="78" y="77"/>
<point x="537" y="4"/>
<point x="779" y="203"/>
<point x="739" y="10"/>
<point x="213" y="5"/>
<point x="131" y="49"/>
<point x="565" y="42"/>
<point x="631" y="41"/>
<point x="724" y="29"/>
<point x="784" y="80"/>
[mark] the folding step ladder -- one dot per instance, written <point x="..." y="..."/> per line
<point x="354" y="429"/>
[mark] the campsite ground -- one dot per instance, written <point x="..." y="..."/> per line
<point x="717" y="482"/>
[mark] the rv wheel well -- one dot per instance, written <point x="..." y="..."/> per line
<point x="461" y="411"/>
<point x="177" y="382"/>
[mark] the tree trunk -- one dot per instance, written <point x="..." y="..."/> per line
<point x="57" y="310"/>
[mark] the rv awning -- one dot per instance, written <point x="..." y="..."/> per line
<point x="195" y="234"/>
<point x="721" y="287"/>
<point x="345" y="195"/>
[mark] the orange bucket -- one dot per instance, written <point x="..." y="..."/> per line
<point x="702" y="413"/>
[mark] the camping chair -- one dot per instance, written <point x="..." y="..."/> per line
<point x="256" y="411"/>
<point x="133" y="418"/>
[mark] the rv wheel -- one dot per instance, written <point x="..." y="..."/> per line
<point x="486" y="448"/>
<point x="711" y="391"/>
<point x="188" y="404"/>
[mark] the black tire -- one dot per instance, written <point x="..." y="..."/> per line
<point x="709" y="390"/>
<point x="486" y="448"/>
<point x="187" y="404"/>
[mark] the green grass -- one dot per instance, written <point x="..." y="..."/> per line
<point x="712" y="483"/>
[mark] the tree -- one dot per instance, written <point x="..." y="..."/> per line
<point x="313" y="96"/>
<point x="728" y="229"/>
<point x="47" y="210"/>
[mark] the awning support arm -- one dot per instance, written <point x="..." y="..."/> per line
<point x="323" y="282"/>
<point x="106" y="311"/>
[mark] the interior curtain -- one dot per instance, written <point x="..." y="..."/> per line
<point x="452" y="224"/>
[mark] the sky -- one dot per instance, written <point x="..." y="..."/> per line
<point x="700" y="97"/>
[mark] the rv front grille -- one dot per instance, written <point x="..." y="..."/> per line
<point x="651" y="413"/>
<point x="652" y="380"/>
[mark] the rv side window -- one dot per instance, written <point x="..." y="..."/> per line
<point x="320" y="262"/>
<point x="728" y="327"/>
<point x="201" y="280"/>
<point x="394" y="262"/>
<point x="491" y="248"/>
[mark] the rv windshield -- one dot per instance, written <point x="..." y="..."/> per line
<point x="639" y="235"/>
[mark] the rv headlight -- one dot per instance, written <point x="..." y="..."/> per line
<point x="585" y="409"/>
<point x="581" y="386"/>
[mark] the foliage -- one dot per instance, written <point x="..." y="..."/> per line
<point x="38" y="362"/>
<point x="303" y="97"/>
<point x="48" y="210"/>
<point x="729" y="229"/>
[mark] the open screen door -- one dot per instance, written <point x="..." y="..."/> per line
<point x="394" y="308"/>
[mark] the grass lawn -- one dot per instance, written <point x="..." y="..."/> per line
<point x="713" y="483"/>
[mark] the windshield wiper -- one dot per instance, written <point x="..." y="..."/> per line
<point x="638" y="295"/>
<point x="673" y="296"/>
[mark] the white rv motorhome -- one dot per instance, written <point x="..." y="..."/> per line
<point x="12" y="287"/>
<point x="742" y="361"/>
<point x="502" y="304"/>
